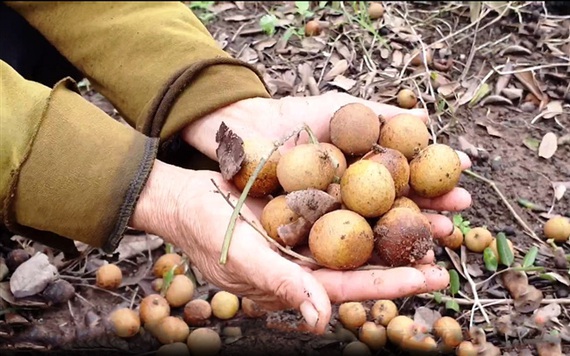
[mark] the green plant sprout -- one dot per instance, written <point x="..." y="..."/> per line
<point x="461" y="223"/>
<point x="202" y="10"/>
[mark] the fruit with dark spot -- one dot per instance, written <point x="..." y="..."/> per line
<point x="397" y="165"/>
<point x="152" y="309"/>
<point x="403" y="237"/>
<point x="435" y="171"/>
<point x="108" y="276"/>
<point x="383" y="311"/>
<point x="337" y="157"/>
<point x="406" y="99"/>
<point x="478" y="239"/>
<point x="167" y="262"/>
<point x="406" y="133"/>
<point x="448" y="331"/>
<point x="305" y="166"/>
<point x="266" y="181"/>
<point x="197" y="312"/>
<point x="354" y="128"/>
<point x="277" y="213"/>
<point x="352" y="315"/>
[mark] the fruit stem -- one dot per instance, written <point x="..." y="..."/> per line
<point x="312" y="137"/>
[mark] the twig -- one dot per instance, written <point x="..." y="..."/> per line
<point x="106" y="291"/>
<point x="134" y="297"/>
<point x="487" y="301"/>
<point x="506" y="202"/>
<point x="477" y="303"/>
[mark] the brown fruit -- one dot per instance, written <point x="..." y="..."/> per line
<point x="108" y="276"/>
<point x="157" y="284"/>
<point x="449" y="331"/>
<point x="352" y="315"/>
<point x="356" y="348"/>
<point x="305" y="166"/>
<point x="276" y="213"/>
<point x="373" y="335"/>
<point x="180" y="291"/>
<point x="478" y="239"/>
<point x="367" y="188"/>
<point x="176" y="348"/>
<point x="399" y="328"/>
<point x="419" y="344"/>
<point x="337" y="157"/>
<point x="171" y="329"/>
<point x="266" y="181"/>
<point x="466" y="348"/>
<point x="405" y="133"/>
<point x="197" y="312"/>
<point x="312" y="28"/>
<point x="406" y="99"/>
<point x="403" y="237"/>
<point x="166" y="262"/>
<point x="204" y="342"/>
<point x="251" y="309"/>
<point x="383" y="311"/>
<point x="125" y="322"/>
<point x="225" y="305"/>
<point x="557" y="228"/>
<point x="418" y="57"/>
<point x="452" y="241"/>
<point x="405" y="202"/>
<point x="153" y="308"/>
<point x="435" y="171"/>
<point x="495" y="249"/>
<point x="375" y="10"/>
<point x="341" y="240"/>
<point x="397" y="165"/>
<point x="354" y="129"/>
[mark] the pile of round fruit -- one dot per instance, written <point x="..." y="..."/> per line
<point x="348" y="199"/>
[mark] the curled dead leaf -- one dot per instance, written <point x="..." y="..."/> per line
<point x="230" y="152"/>
<point x="512" y="93"/>
<point x="295" y="233"/>
<point x="496" y="99"/>
<point x="529" y="301"/>
<point x="548" y="145"/>
<point x="448" y="90"/>
<point x="338" y="68"/>
<point x="553" y="109"/>
<point x="311" y="204"/>
<point x="516" y="49"/>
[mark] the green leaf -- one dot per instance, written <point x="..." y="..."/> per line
<point x="506" y="256"/>
<point x="457" y="219"/>
<point x="438" y="297"/>
<point x="482" y="92"/>
<point x="491" y="261"/>
<point x="303" y="8"/>
<point x="531" y="143"/>
<point x="530" y="257"/>
<point x="267" y="23"/>
<point x="167" y="279"/>
<point x="452" y="304"/>
<point x="168" y="248"/>
<point x="453" y="282"/>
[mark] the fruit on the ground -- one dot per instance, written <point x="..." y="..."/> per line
<point x="341" y="240"/>
<point x="354" y="129"/>
<point x="197" y="312"/>
<point x="305" y="166"/>
<point x="204" y="341"/>
<point x="383" y="311"/>
<point x="419" y="344"/>
<point x="312" y="28"/>
<point x="406" y="99"/>
<point x="352" y="315"/>
<point x="251" y="309"/>
<point x="367" y="188"/>
<point x="153" y="308"/>
<point x="174" y="349"/>
<point x="373" y="335"/>
<point x="171" y="329"/>
<point x="400" y="327"/>
<point x="452" y="241"/>
<point x="418" y="57"/>
<point x="403" y="237"/>
<point x="356" y="348"/>
<point x="557" y="228"/>
<point x="449" y="331"/>
<point x="125" y="322"/>
<point x="495" y="249"/>
<point x="478" y="239"/>
<point x="405" y="202"/>
<point x="375" y="10"/>
<point x="266" y="181"/>
<point x="337" y="157"/>
<point x="166" y="262"/>
<point x="180" y="291"/>
<point x="157" y="284"/>
<point x="15" y="258"/>
<point x="435" y="171"/>
<point x="108" y="276"/>
<point x="466" y="348"/>
<point x="406" y="133"/>
<point x="277" y="213"/>
<point x="225" y="305"/>
<point x="397" y="165"/>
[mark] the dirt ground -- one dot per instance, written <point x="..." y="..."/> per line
<point x="502" y="126"/>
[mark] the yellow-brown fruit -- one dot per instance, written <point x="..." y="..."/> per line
<point x="312" y="28"/>
<point x="276" y="213"/>
<point x="452" y="241"/>
<point x="337" y="157"/>
<point x="157" y="284"/>
<point x="108" y="276"/>
<point x="478" y="239"/>
<point x="204" y="342"/>
<point x="419" y="344"/>
<point x="373" y="335"/>
<point x="557" y="228"/>
<point x="341" y="240"/>
<point x="356" y="348"/>
<point x="495" y="249"/>
<point x="405" y="202"/>
<point x="406" y="99"/>
<point x="305" y="166"/>
<point x="397" y="165"/>
<point x="403" y="237"/>
<point x="354" y="129"/>
<point x="375" y="10"/>
<point x="449" y="331"/>
<point x="383" y="311"/>
<point x="125" y="322"/>
<point x="367" y="188"/>
<point x="153" y="308"/>
<point x="166" y="262"/>
<point x="466" y="348"/>
<point x="435" y="171"/>
<point x="180" y="291"/>
<point x="251" y="309"/>
<point x="399" y="328"/>
<point x="266" y="182"/>
<point x="406" y="133"/>
<point x="418" y="57"/>
<point x="225" y="305"/>
<point x="171" y="329"/>
<point x="176" y="349"/>
<point x="197" y="312"/>
<point x="352" y="315"/>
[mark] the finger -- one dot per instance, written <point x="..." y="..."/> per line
<point x="456" y="200"/>
<point x="428" y="258"/>
<point x="441" y="226"/>
<point x="465" y="160"/>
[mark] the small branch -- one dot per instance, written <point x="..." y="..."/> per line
<point x="477" y="303"/>
<point x="463" y="301"/>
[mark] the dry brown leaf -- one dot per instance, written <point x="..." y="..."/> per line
<point x="397" y="58"/>
<point x="338" y="68"/>
<point x="221" y="7"/>
<point x="548" y="145"/>
<point x="553" y="109"/>
<point x="560" y="189"/>
<point x="471" y="87"/>
<point x="504" y="79"/>
<point x="490" y="129"/>
<point x="497" y="100"/>
<point x="516" y="49"/>
<point x="264" y="44"/>
<point x="313" y="44"/>
<point x="384" y="53"/>
<point x="343" y="82"/>
<point x="426" y="317"/>
<point x="512" y="93"/>
<point x="240" y="4"/>
<point x="237" y="18"/>
<point x="438" y="80"/>
<point x="230" y="151"/>
<point x="249" y="55"/>
<point x="527" y="78"/>
<point x="456" y="260"/>
<point x="448" y="90"/>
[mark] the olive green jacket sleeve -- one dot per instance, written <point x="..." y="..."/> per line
<point x="69" y="170"/>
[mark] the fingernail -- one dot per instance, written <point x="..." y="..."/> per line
<point x="309" y="313"/>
